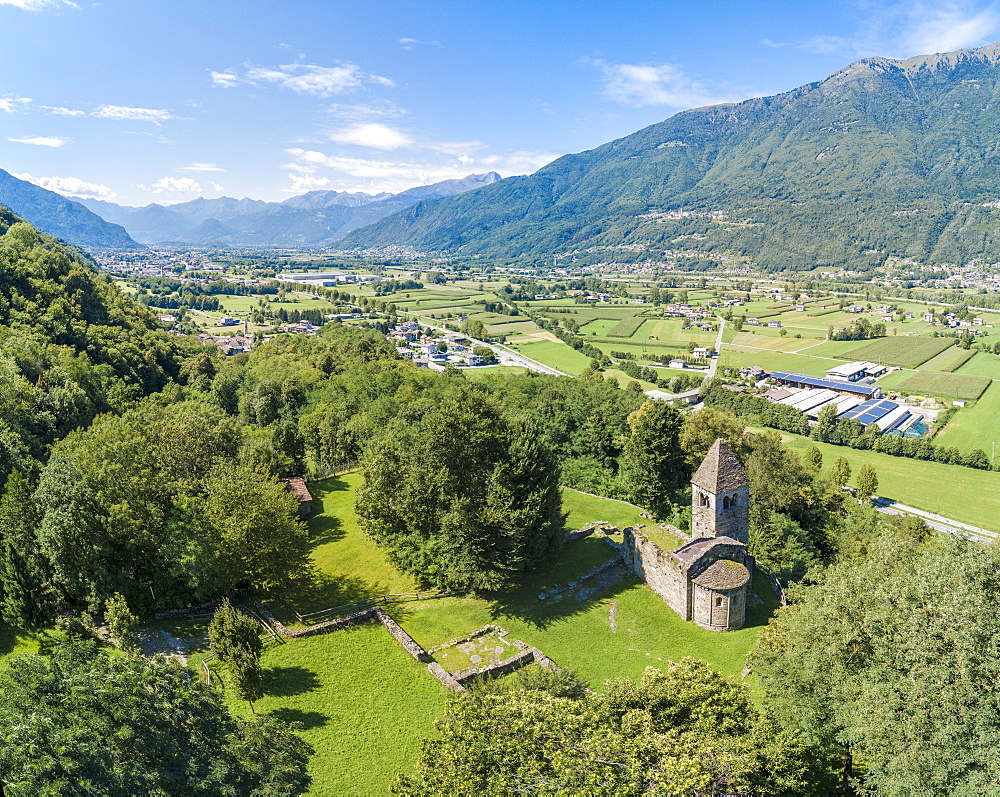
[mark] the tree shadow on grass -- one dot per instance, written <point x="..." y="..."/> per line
<point x="324" y="526"/>
<point x="306" y="720"/>
<point x="288" y="681"/>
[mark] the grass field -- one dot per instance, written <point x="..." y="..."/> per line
<point x="964" y="387"/>
<point x="906" y="352"/>
<point x="733" y="356"/>
<point x="964" y="494"/>
<point x="977" y="426"/>
<point x="982" y="364"/>
<point x="364" y="702"/>
<point x="557" y="354"/>
<point x="626" y="328"/>
<point x="949" y="360"/>
<point x="599" y="327"/>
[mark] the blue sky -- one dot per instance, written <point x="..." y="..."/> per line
<point x="138" y="101"/>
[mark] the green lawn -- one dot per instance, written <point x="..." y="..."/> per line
<point x="964" y="494"/>
<point x="977" y="426"/>
<point x="733" y="356"/>
<point x="364" y="702"/>
<point x="599" y="326"/>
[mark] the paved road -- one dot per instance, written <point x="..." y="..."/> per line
<point x="937" y="522"/>
<point x="713" y="363"/>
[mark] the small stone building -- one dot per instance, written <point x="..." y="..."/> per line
<point x="706" y="580"/>
<point x="297" y="487"/>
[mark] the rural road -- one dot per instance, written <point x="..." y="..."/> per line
<point x="937" y="522"/>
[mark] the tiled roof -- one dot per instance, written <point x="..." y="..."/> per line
<point x="689" y="553"/>
<point x="720" y="471"/>
<point x="297" y="486"/>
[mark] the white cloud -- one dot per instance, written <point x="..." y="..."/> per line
<point x="174" y="185"/>
<point x="216" y="187"/>
<point x="198" y="166"/>
<point x="906" y="29"/>
<point x="373" y="174"/>
<point x="41" y="141"/>
<point x="943" y="27"/>
<point x="373" y="135"/>
<point x="37" y="5"/>
<point x="132" y="114"/>
<point x="640" y="85"/>
<point x="225" y="80"/>
<point x="58" y="110"/>
<point x="320" y="81"/>
<point x="13" y="104"/>
<point x="71" y="186"/>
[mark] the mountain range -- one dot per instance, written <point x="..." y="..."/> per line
<point x="311" y="219"/>
<point x="883" y="158"/>
<point x="61" y="217"/>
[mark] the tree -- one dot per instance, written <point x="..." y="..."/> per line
<point x="461" y="496"/>
<point x="680" y="731"/>
<point x="702" y="429"/>
<point x="867" y="482"/>
<point x="25" y="599"/>
<point x="82" y="721"/>
<point x="890" y="659"/>
<point x="812" y="457"/>
<point x="840" y="474"/>
<point x="121" y="622"/>
<point x="234" y="638"/>
<point x="651" y="469"/>
<point x="473" y="328"/>
<point x="826" y="422"/>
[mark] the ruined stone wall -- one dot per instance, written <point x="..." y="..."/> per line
<point x="658" y="569"/>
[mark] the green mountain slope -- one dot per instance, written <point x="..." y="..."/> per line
<point x="883" y="157"/>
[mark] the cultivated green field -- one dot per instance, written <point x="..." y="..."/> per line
<point x="964" y="387"/>
<point x="733" y="356"/>
<point x="626" y="328"/>
<point x="906" y="352"/>
<point x="599" y="327"/>
<point x="949" y="360"/>
<point x="977" y="426"/>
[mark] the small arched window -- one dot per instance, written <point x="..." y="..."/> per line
<point x="703" y="499"/>
<point x="725" y="502"/>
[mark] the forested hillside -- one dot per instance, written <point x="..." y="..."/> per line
<point x="882" y="158"/>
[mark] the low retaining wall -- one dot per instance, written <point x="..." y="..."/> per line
<point x="405" y="640"/>
<point x="202" y="608"/>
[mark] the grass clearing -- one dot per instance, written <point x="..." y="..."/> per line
<point x="977" y="426"/>
<point x="906" y="352"/>
<point x="364" y="702"/>
<point x="965" y="387"/>
<point x="599" y="327"/>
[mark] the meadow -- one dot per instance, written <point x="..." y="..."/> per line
<point x="964" y="387"/>
<point x="977" y="426"/>
<point x="906" y="352"/>
<point x="556" y="354"/>
<point x="963" y="494"/>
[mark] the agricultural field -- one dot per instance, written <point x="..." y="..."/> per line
<point x="556" y="354"/>
<point x="906" y="352"/>
<point x="949" y="360"/>
<point x="964" y="387"/>
<point x="976" y="426"/>
<point x="963" y="494"/>
<point x="626" y="328"/>
<point x="599" y="326"/>
<point x="982" y="364"/>
<point x="733" y="356"/>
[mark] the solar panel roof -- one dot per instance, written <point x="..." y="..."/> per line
<point x="871" y="410"/>
<point x="828" y="384"/>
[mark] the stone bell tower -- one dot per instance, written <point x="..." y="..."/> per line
<point x="720" y="496"/>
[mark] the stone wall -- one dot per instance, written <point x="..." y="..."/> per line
<point x="714" y="521"/>
<point x="658" y="569"/>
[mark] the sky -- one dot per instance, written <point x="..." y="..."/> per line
<point x="140" y="101"/>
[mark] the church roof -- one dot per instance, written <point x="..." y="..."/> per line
<point x="692" y="552"/>
<point x="723" y="574"/>
<point x="720" y="471"/>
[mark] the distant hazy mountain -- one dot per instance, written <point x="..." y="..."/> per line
<point x="318" y="217"/>
<point x="61" y="217"/>
<point x="882" y="158"/>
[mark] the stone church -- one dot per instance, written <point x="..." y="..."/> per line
<point x="707" y="579"/>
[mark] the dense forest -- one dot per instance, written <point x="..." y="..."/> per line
<point x="143" y="471"/>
